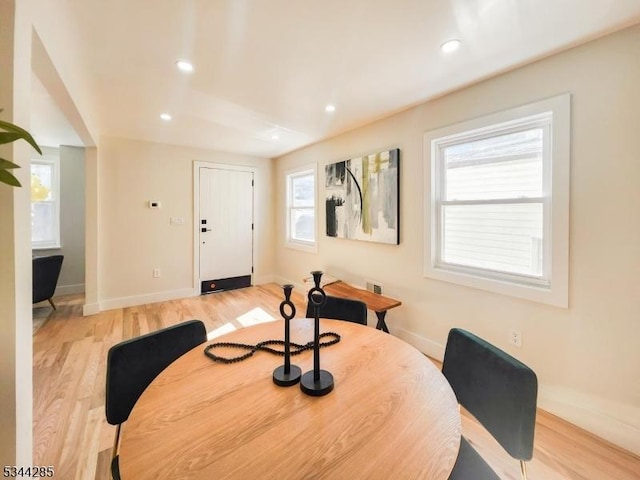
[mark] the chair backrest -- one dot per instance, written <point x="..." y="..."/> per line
<point x="133" y="364"/>
<point x="497" y="389"/>
<point x="46" y="271"/>
<point x="341" y="309"/>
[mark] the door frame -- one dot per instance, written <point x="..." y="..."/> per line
<point x="197" y="164"/>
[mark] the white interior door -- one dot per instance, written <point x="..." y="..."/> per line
<point x="226" y="227"/>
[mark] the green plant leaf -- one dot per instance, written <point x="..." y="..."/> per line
<point x="8" y="137"/>
<point x="10" y="127"/>
<point x="6" y="164"/>
<point x="8" y="178"/>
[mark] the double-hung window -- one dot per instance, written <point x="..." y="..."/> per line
<point x="301" y="208"/>
<point x="45" y="203"/>
<point x="499" y="202"/>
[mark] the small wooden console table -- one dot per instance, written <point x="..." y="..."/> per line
<point x="376" y="302"/>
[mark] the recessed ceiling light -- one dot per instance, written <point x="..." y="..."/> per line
<point x="450" y="46"/>
<point x="330" y="108"/>
<point x="184" y="66"/>
<point x="165" y="116"/>
<point x="275" y="136"/>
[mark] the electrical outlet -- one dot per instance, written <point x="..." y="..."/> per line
<point x="374" y="286"/>
<point x="156" y="273"/>
<point x="515" y="338"/>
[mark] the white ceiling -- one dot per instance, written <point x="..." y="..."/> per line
<point x="269" y="67"/>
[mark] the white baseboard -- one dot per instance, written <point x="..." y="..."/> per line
<point x="132" y="301"/>
<point x="69" y="289"/>
<point x="90" y="309"/>
<point x="614" y="422"/>
<point x="285" y="281"/>
<point x="425" y="345"/>
<point x="262" y="279"/>
<point x="123" y="302"/>
<point x="135" y="300"/>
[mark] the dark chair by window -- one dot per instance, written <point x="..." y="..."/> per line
<point x="133" y="364"/>
<point x="45" y="273"/>
<point x="341" y="309"/>
<point x="500" y="392"/>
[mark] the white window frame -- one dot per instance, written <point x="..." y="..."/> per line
<point x="553" y="286"/>
<point x="290" y="175"/>
<point x="53" y="160"/>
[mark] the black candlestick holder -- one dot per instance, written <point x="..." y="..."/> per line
<point x="287" y="374"/>
<point x="316" y="382"/>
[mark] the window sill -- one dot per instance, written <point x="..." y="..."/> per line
<point x="557" y="297"/>
<point x="51" y="247"/>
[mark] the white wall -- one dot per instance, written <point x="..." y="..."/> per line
<point x="133" y="239"/>
<point x="586" y="357"/>
<point x="15" y="253"/>
<point x="72" y="219"/>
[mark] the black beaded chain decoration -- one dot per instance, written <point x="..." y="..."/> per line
<point x="265" y="346"/>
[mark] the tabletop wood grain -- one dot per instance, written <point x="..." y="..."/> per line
<point x="391" y="414"/>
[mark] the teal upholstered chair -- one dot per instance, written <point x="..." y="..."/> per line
<point x="133" y="364"/>
<point x="45" y="273"/>
<point x="341" y="309"/>
<point x="500" y="392"/>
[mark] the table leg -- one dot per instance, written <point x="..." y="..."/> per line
<point x="381" y="325"/>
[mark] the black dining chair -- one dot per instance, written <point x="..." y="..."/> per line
<point x="133" y="364"/>
<point x="337" y="308"/>
<point x="45" y="274"/>
<point x="500" y="392"/>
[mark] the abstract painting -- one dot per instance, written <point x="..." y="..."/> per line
<point x="362" y="198"/>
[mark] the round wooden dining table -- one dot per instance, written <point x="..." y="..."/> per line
<point x="391" y="414"/>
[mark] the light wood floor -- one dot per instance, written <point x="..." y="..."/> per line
<point x="71" y="433"/>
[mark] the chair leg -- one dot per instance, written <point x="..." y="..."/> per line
<point x="115" y="463"/>
<point x="52" y="304"/>
<point x="116" y="441"/>
<point x="523" y="470"/>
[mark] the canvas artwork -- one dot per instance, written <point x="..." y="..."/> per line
<point x="362" y="198"/>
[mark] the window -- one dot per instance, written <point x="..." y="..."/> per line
<point x="301" y="209"/>
<point x="45" y="203"/>
<point x="499" y="202"/>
